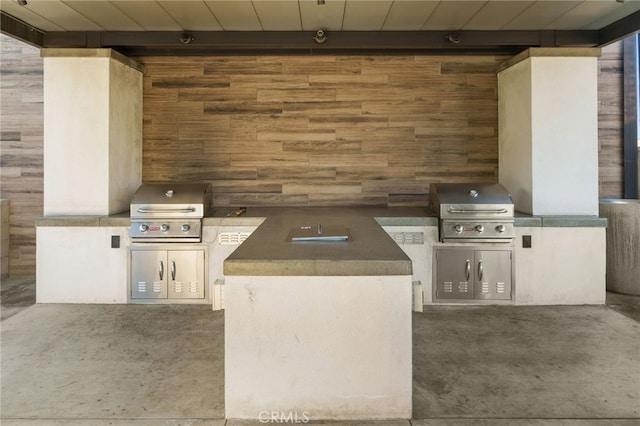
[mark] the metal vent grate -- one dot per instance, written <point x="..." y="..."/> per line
<point x="232" y="238"/>
<point x="408" y="237"/>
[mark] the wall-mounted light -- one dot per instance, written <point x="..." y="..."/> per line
<point x="185" y="38"/>
<point x="453" y="38"/>
<point x="320" y="37"/>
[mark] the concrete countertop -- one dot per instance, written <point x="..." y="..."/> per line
<point x="119" y="219"/>
<point x="269" y="252"/>
<point x="525" y="220"/>
<point x="385" y="216"/>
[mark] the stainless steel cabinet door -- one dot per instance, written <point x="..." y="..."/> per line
<point x="454" y="274"/>
<point x="493" y="274"/>
<point x="149" y="274"/>
<point x="186" y="274"/>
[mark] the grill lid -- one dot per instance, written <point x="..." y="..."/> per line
<point x="469" y="200"/>
<point x="171" y="200"/>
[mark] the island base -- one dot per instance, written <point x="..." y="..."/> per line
<point x="318" y="347"/>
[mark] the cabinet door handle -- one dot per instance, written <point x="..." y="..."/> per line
<point x="467" y="269"/>
<point x="480" y="269"/>
<point x="173" y="270"/>
<point x="161" y="270"/>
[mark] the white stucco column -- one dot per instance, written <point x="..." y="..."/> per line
<point x="548" y="130"/>
<point x="92" y="131"/>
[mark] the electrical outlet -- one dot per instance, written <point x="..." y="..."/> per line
<point x="526" y="241"/>
<point x="115" y="241"/>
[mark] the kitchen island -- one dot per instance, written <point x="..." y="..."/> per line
<point x="318" y="330"/>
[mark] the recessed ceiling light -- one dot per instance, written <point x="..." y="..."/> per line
<point x="22" y="2"/>
<point x="320" y="2"/>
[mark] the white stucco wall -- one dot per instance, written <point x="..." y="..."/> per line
<point x="92" y="133"/>
<point x="76" y="264"/>
<point x="514" y="142"/>
<point x="565" y="136"/>
<point x="329" y="347"/>
<point x="564" y="266"/>
<point x="125" y="135"/>
<point x="548" y="137"/>
<point x="76" y="135"/>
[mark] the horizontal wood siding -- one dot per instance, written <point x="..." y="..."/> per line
<point x="21" y="157"/>
<point x="289" y="130"/>
<point x="320" y="130"/>
<point x="611" y="122"/>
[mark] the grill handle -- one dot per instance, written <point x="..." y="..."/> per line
<point x="173" y="270"/>
<point x="161" y="270"/>
<point x="454" y="210"/>
<point x="480" y="270"/>
<point x="155" y="210"/>
<point x="467" y="269"/>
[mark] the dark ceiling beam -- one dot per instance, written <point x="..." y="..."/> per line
<point x="158" y="42"/>
<point x="20" y="30"/>
<point x="620" y="29"/>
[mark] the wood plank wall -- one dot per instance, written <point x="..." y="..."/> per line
<point x="21" y="154"/>
<point x="376" y="131"/>
<point x="611" y="122"/>
<point x="320" y="130"/>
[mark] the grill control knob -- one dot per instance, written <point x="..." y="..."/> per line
<point x="480" y="228"/>
<point x="144" y="228"/>
<point x="500" y="228"/>
<point x="458" y="229"/>
<point x="185" y="227"/>
<point x="164" y="227"/>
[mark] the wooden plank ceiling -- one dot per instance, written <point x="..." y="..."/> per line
<point x="308" y="15"/>
<point x="240" y="23"/>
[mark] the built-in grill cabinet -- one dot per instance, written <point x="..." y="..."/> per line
<point x="473" y="273"/>
<point x="474" y="259"/>
<point x="167" y="274"/>
<point x="168" y="260"/>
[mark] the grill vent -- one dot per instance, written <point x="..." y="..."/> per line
<point x="232" y="238"/>
<point x="404" y="238"/>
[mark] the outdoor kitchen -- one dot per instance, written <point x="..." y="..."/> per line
<point x="540" y="226"/>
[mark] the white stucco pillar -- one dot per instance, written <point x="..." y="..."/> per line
<point x="92" y="131"/>
<point x="548" y="130"/>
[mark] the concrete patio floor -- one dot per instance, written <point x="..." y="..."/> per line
<point x="164" y="365"/>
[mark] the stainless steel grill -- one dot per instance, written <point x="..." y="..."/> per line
<point x="474" y="212"/>
<point x="168" y="212"/>
<point x="474" y="261"/>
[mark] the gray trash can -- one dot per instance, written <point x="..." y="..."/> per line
<point x="623" y="244"/>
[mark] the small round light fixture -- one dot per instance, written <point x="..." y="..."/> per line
<point x="320" y="37"/>
<point x="185" y="38"/>
<point x="453" y="38"/>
